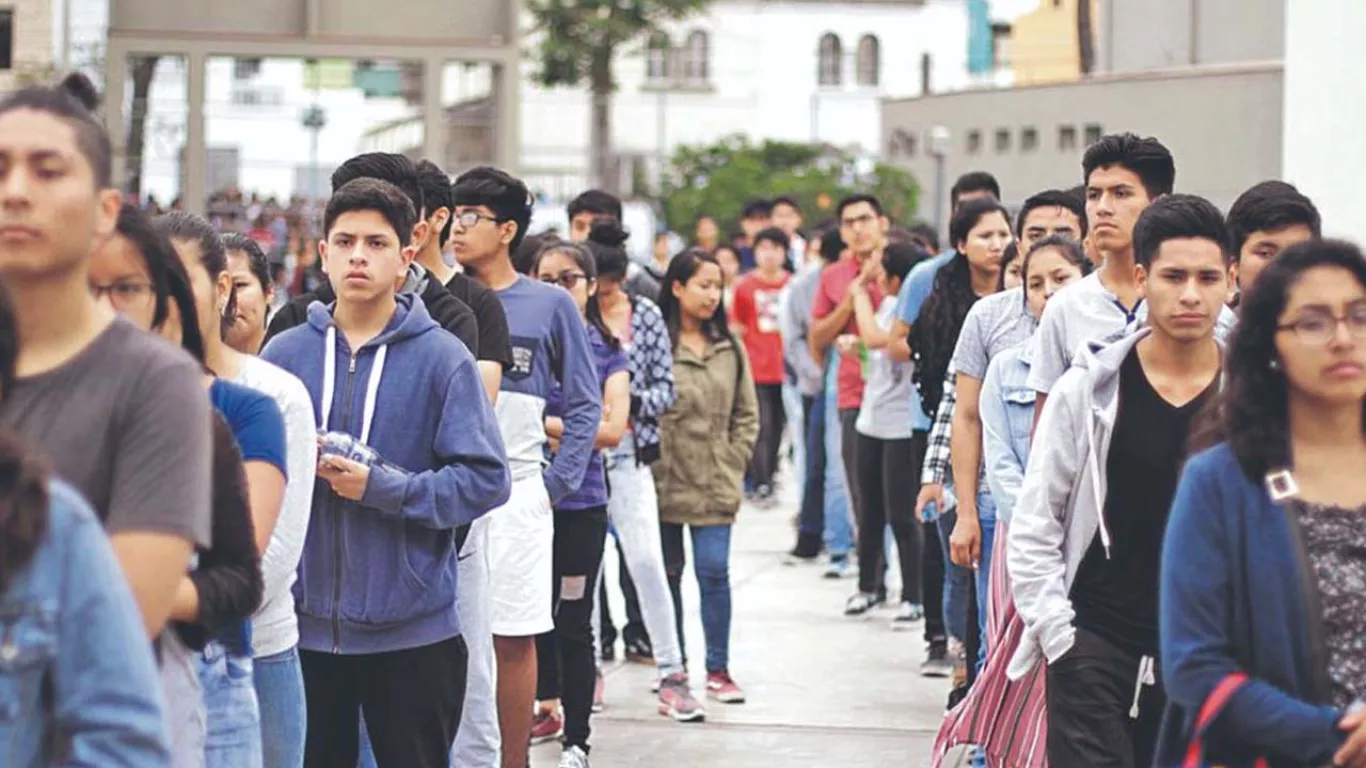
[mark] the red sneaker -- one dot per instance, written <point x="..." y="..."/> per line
<point x="722" y="688"/>
<point x="676" y="700"/>
<point x="546" y="726"/>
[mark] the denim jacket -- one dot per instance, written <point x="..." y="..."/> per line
<point x="78" y="685"/>
<point x="1006" y="406"/>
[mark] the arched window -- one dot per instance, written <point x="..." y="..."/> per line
<point x="697" y="66"/>
<point x="830" y="59"/>
<point x="657" y="58"/>
<point x="869" y="60"/>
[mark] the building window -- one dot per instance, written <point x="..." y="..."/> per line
<point x="245" y="69"/>
<point x="974" y="141"/>
<point x="830" y="60"/>
<point x="1029" y="139"/>
<point x="902" y="143"/>
<point x="1092" y="134"/>
<point x="657" y="58"/>
<point x="869" y="60"/>
<point x="696" y="58"/>
<point x="1000" y="46"/>
<point x="1002" y="140"/>
<point x="6" y="38"/>
<point x="1067" y="138"/>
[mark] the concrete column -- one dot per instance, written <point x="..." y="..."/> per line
<point x="507" y="128"/>
<point x="196" y="149"/>
<point x="115" y="82"/>
<point x="434" y="116"/>
<point x="1322" y="144"/>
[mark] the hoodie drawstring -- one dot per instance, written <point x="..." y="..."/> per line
<point x="329" y="383"/>
<point x="1093" y="465"/>
<point x="1146" y="676"/>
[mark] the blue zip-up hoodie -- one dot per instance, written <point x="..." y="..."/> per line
<point x="380" y="575"/>
<point x="1240" y="629"/>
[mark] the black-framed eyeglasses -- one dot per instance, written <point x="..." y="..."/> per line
<point x="124" y="294"/>
<point x="1320" y="327"/>
<point x="858" y="221"/>
<point x="471" y="219"/>
<point x="566" y="280"/>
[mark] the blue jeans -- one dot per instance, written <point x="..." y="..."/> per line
<point x="839" y="525"/>
<point x="711" y="551"/>
<point x="279" y="683"/>
<point x="957" y="583"/>
<point x="986" y="518"/>
<point x="234" y="718"/>
<point x="811" y="519"/>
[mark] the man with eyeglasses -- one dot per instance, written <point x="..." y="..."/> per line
<point x="549" y="348"/>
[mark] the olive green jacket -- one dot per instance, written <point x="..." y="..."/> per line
<point x="707" y="437"/>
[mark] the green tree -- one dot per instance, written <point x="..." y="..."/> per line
<point x="579" y="40"/>
<point x="718" y="179"/>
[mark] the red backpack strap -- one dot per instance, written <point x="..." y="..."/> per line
<point x="1213" y="705"/>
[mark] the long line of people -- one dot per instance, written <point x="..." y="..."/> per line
<point x="1117" y="442"/>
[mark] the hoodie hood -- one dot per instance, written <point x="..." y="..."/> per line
<point x="1101" y="361"/>
<point x="409" y="321"/>
<point x="415" y="282"/>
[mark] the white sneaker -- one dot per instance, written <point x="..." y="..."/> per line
<point x="907" y="617"/>
<point x="573" y="757"/>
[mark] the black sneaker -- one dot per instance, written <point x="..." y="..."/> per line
<point x="639" y="651"/>
<point x="808" y="548"/>
<point x="937" y="662"/>
<point x="609" y="652"/>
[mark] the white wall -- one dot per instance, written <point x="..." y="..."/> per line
<point x="1323" y="149"/>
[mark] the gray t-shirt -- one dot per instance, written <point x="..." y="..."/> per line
<point x="885" y="413"/>
<point x="126" y="421"/>
<point x="994" y="324"/>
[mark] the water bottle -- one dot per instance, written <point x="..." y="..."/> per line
<point x="347" y="447"/>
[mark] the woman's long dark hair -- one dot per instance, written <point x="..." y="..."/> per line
<point x="1069" y="249"/>
<point x="1252" y="412"/>
<point x="256" y="262"/>
<point x="935" y="333"/>
<point x="137" y="227"/>
<point x="182" y="225"/>
<point x="592" y="311"/>
<point x="607" y="240"/>
<point x="1012" y="253"/>
<point x="23" y="472"/>
<point x="680" y="271"/>
<point x="169" y="279"/>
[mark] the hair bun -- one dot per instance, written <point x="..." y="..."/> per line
<point x="80" y="86"/>
<point x="608" y="232"/>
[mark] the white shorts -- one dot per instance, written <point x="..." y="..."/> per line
<point x="521" y="549"/>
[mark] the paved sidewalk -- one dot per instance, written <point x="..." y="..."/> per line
<point x="823" y="689"/>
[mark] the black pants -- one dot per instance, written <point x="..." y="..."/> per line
<point x="411" y="700"/>
<point x="565" y="667"/>
<point x="888" y="492"/>
<point x="1090" y="692"/>
<point x="763" y="464"/>
<point x="634" y="631"/>
<point x="931" y="561"/>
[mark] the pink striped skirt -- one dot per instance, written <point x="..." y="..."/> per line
<point x="1005" y="719"/>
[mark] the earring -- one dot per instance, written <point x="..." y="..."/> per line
<point x="1274" y="365"/>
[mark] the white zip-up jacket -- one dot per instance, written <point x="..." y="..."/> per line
<point x="1062" y="501"/>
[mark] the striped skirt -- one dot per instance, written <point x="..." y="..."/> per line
<point x="1005" y="719"/>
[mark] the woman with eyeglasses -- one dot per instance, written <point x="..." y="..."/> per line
<point x="566" y="665"/>
<point x="1263" y="614"/>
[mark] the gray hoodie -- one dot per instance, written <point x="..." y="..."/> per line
<point x="1062" y="501"/>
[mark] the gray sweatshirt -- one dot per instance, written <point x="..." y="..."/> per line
<point x="794" y="323"/>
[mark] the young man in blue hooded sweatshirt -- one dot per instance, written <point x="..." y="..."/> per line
<point x="378" y="630"/>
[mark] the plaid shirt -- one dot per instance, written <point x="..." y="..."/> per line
<point x="937" y="469"/>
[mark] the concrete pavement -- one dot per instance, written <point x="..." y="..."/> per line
<point x="823" y="689"/>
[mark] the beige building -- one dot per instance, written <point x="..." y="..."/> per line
<point x="1043" y="43"/>
<point x="1222" y="123"/>
<point x="25" y="42"/>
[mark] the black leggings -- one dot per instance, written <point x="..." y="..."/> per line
<point x="763" y="464"/>
<point x="564" y="655"/>
<point x="887" y="492"/>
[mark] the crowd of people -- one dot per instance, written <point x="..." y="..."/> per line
<point x="1116" y="440"/>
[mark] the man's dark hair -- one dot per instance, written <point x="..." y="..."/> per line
<point x="74" y="102"/>
<point x="596" y="202"/>
<point x="1178" y="216"/>
<point x="1269" y="206"/>
<point x="785" y="200"/>
<point x="927" y="235"/>
<point x="775" y="236"/>
<point x="394" y="169"/>
<point x="371" y="194"/>
<point x="855" y="200"/>
<point x="503" y="194"/>
<point x="974" y="181"/>
<point x="1053" y="198"/>
<point x="757" y="209"/>
<point x="1147" y="158"/>
<point x="832" y="245"/>
<point x="899" y="258"/>
<point x="436" y="194"/>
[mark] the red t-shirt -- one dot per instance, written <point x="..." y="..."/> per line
<point x="835" y="282"/>
<point x="756" y="310"/>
